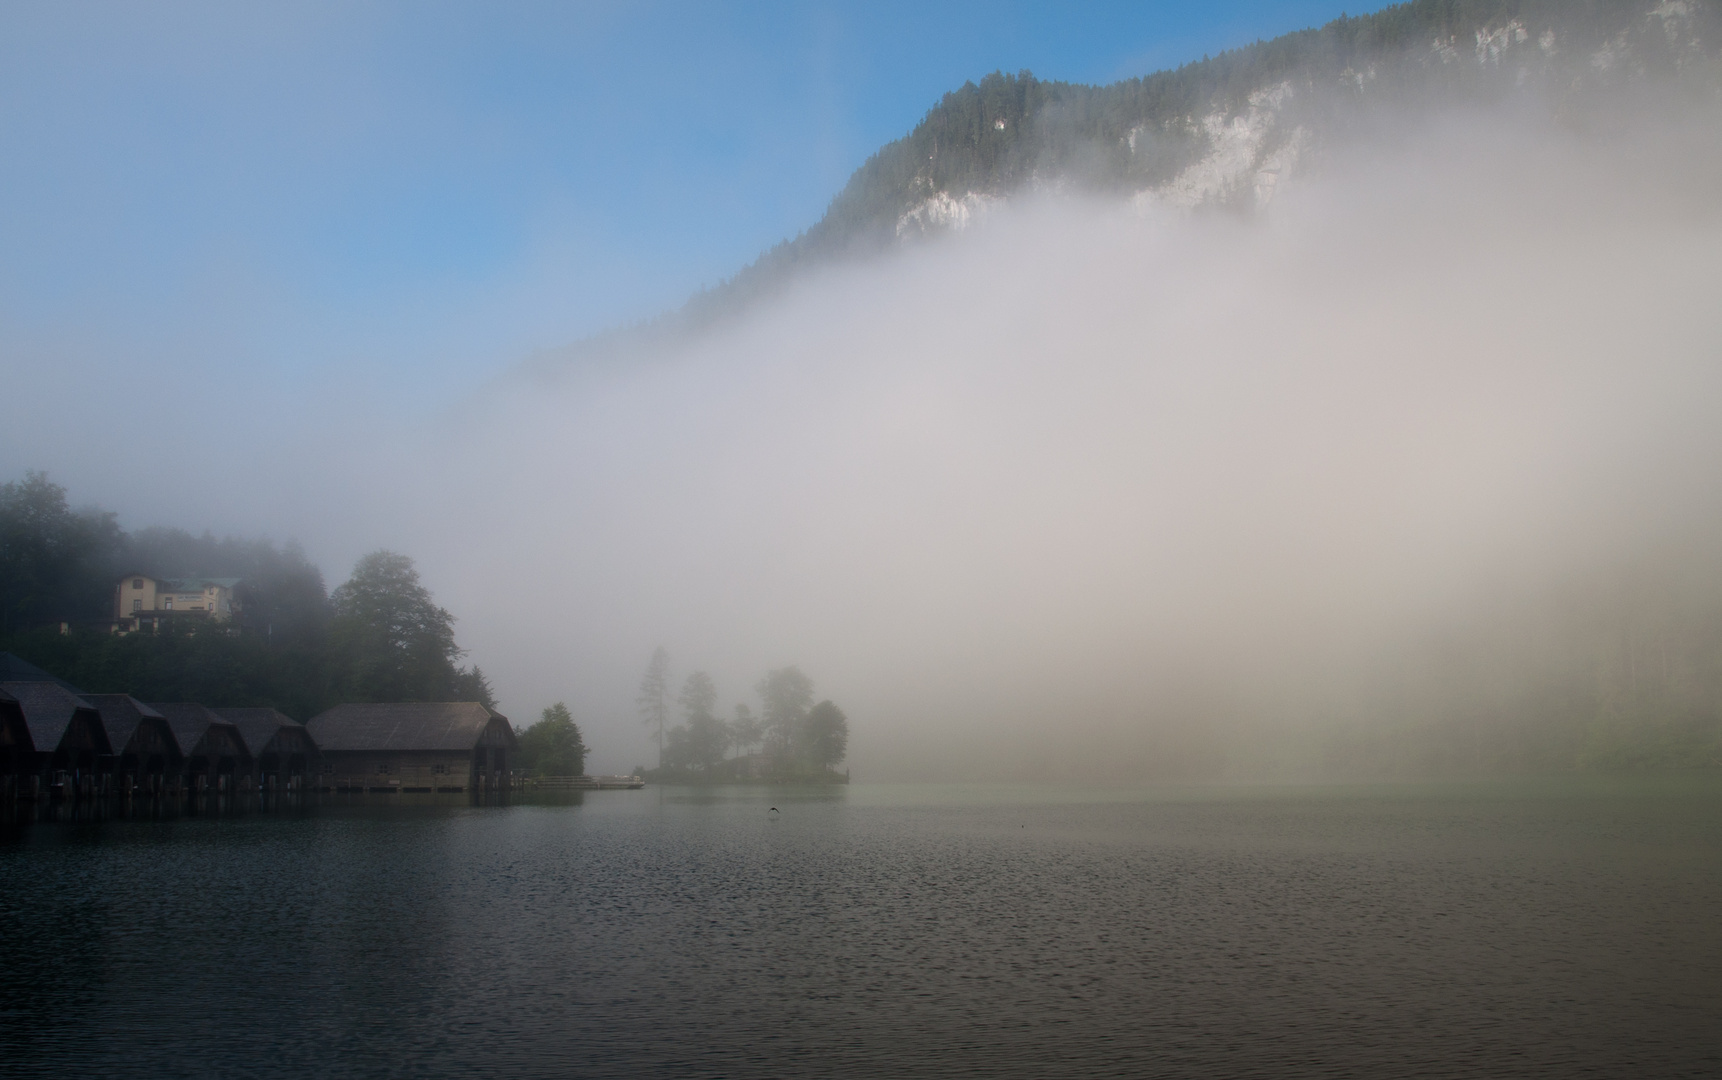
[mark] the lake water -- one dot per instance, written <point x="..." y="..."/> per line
<point x="1554" y="928"/>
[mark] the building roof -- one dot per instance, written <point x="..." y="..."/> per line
<point x="404" y="725"/>
<point x="48" y="710"/>
<point x="191" y="722"/>
<point x="16" y="669"/>
<point x="8" y="707"/>
<point x="121" y="715"/>
<point x="196" y="583"/>
<point x="193" y="583"/>
<point x="258" y="726"/>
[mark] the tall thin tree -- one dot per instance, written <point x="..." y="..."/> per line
<point x="654" y="699"/>
<point x="785" y="695"/>
<point x="745" y="729"/>
<point x="708" y="733"/>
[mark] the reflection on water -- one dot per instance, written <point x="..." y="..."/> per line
<point x="216" y="804"/>
<point x="1534" y="929"/>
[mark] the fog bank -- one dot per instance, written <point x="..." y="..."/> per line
<point x="1094" y="492"/>
<point x="1415" y="470"/>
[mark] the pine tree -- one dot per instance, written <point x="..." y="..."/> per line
<point x="653" y="701"/>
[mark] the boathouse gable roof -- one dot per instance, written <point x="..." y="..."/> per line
<point x="410" y="725"/>
<point x="121" y="715"/>
<point x="14" y="732"/>
<point x="17" y="669"/>
<point x="192" y="723"/>
<point x="50" y="710"/>
<point x="259" y="727"/>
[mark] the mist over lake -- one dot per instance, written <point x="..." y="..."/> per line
<point x="1358" y="423"/>
<point x="1087" y="491"/>
<point x="847" y="540"/>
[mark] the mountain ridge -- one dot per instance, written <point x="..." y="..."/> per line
<point x="1223" y="131"/>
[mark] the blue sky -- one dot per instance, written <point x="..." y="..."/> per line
<point x="261" y="196"/>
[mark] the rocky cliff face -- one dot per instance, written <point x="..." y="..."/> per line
<point x="1243" y="138"/>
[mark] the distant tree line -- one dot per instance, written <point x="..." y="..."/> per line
<point x="1620" y="671"/>
<point x="292" y="645"/>
<point x="792" y="738"/>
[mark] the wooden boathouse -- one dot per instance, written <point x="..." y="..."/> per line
<point x="17" y="750"/>
<point x="216" y="758"/>
<point x="413" y="746"/>
<point x="281" y="749"/>
<point x="71" y="745"/>
<point x="147" y="755"/>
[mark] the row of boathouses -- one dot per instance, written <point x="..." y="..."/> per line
<point x="58" y="742"/>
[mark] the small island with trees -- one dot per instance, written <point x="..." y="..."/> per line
<point x="791" y="740"/>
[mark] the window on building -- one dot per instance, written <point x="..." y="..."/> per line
<point x="137" y="605"/>
<point x="167" y="605"/>
<point x="137" y="583"/>
<point x="383" y="769"/>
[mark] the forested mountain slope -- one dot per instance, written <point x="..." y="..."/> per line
<point x="1227" y="130"/>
